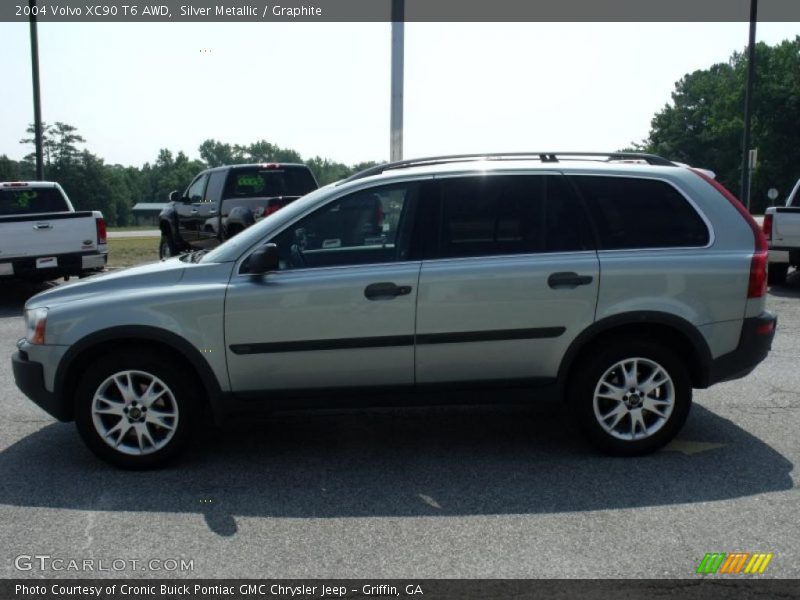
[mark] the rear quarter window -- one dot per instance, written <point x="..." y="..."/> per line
<point x="640" y="213"/>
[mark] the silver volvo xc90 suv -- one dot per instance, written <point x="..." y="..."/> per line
<point x="618" y="282"/>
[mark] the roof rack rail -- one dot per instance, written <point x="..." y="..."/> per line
<point x="545" y="157"/>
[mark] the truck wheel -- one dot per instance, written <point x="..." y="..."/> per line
<point x="776" y="273"/>
<point x="233" y="230"/>
<point x="165" y="247"/>
<point x="136" y="409"/>
<point x="631" y="397"/>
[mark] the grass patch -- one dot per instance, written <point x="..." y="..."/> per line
<point x="126" y="252"/>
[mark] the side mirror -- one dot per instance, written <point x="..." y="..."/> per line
<point x="263" y="260"/>
<point x="175" y="196"/>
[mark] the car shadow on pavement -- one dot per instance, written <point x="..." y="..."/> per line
<point x="16" y="293"/>
<point x="396" y="463"/>
<point x="789" y="289"/>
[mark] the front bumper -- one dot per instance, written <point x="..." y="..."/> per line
<point x="754" y="345"/>
<point x="29" y="377"/>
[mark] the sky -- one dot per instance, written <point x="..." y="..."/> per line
<point x="323" y="88"/>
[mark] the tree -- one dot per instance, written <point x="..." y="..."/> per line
<point x="48" y="144"/>
<point x="10" y="170"/>
<point x="703" y="125"/>
<point x="58" y="143"/>
<point x="114" y="189"/>
<point x="216" y="154"/>
<point x="64" y="139"/>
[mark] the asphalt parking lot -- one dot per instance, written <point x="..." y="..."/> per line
<point x="469" y="492"/>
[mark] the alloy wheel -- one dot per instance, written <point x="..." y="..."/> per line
<point x="135" y="412"/>
<point x="634" y="399"/>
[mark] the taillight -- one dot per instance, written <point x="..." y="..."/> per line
<point x="101" y="230"/>
<point x="271" y="208"/>
<point x="766" y="328"/>
<point x="757" y="285"/>
<point x="766" y="227"/>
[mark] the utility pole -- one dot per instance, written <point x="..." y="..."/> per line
<point x="748" y="100"/>
<point x="396" y="108"/>
<point x="37" y="101"/>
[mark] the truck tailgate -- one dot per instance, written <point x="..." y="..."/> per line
<point x="47" y="234"/>
<point x="786" y="227"/>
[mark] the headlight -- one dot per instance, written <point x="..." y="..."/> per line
<point x="35" y="322"/>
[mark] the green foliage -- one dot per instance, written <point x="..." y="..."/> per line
<point x="58" y="143"/>
<point x="114" y="189"/>
<point x="703" y="126"/>
<point x="10" y="170"/>
<point x="216" y="153"/>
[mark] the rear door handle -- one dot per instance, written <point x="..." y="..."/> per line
<point x="568" y="280"/>
<point x="385" y="291"/>
<point x="42" y="226"/>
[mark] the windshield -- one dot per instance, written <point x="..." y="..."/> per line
<point x="26" y="201"/>
<point x="259" y="182"/>
<point x="233" y="248"/>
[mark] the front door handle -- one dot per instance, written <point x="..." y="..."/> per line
<point x="568" y="280"/>
<point x="385" y="291"/>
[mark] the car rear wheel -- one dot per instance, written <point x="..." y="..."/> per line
<point x="135" y="410"/>
<point x="631" y="397"/>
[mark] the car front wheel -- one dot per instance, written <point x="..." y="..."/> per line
<point x="135" y="410"/>
<point x="631" y="397"/>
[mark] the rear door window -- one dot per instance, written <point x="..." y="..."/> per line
<point x="509" y="214"/>
<point x="24" y="201"/>
<point x="641" y="213"/>
<point x="215" y="183"/>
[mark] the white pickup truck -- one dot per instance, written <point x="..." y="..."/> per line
<point x="42" y="237"/>
<point x="782" y="229"/>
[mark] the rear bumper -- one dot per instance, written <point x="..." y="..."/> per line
<point x="754" y="345"/>
<point x="67" y="264"/>
<point x="29" y="377"/>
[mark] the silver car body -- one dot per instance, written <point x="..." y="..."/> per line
<point x="429" y="336"/>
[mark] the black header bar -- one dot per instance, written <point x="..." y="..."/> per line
<point x="261" y="11"/>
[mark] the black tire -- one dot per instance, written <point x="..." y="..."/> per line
<point x="233" y="230"/>
<point x="586" y="378"/>
<point x="166" y="248"/>
<point x="776" y="273"/>
<point x="182" y="399"/>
